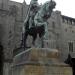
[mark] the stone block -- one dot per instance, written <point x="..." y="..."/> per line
<point x="42" y="70"/>
<point x="40" y="61"/>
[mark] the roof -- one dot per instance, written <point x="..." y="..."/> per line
<point x="66" y="17"/>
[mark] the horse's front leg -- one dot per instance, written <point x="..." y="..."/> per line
<point x="45" y="31"/>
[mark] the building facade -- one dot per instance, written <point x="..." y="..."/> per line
<point x="10" y="20"/>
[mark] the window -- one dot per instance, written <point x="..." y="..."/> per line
<point x="13" y="10"/>
<point x="66" y="29"/>
<point x="72" y="31"/>
<point x="53" y="25"/>
<point x="10" y="34"/>
<point x="58" y="35"/>
<point x="73" y="22"/>
<point x="63" y="20"/>
<point x="70" y="46"/>
<point x="9" y="42"/>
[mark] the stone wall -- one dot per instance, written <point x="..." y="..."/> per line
<point x="9" y="20"/>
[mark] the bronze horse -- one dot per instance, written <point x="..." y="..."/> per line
<point x="33" y="31"/>
<point x="39" y="24"/>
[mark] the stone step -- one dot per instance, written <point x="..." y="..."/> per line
<point x="42" y="70"/>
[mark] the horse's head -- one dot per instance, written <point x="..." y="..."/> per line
<point x="52" y="4"/>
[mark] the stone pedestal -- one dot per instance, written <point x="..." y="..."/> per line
<point x="40" y="61"/>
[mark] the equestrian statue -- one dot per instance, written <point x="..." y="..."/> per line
<point x="36" y="21"/>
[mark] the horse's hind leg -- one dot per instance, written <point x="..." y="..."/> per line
<point x="41" y="35"/>
<point x="34" y="38"/>
<point x="42" y="42"/>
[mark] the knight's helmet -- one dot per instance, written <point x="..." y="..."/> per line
<point x="34" y="2"/>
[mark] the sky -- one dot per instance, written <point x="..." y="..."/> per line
<point x="65" y="6"/>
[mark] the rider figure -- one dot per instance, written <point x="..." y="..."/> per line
<point x="29" y="21"/>
<point x="31" y="13"/>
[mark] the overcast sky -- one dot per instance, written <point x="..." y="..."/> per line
<point x="67" y="7"/>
